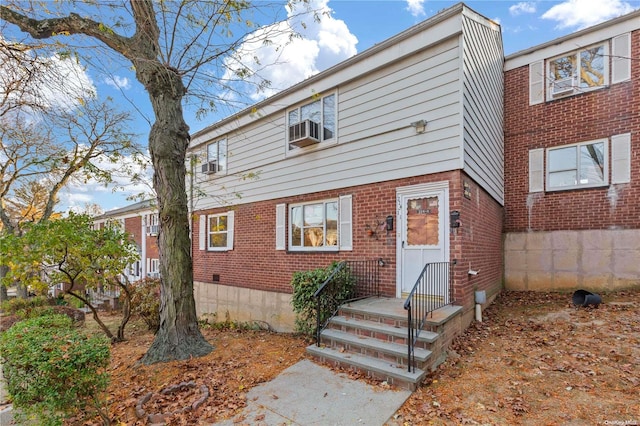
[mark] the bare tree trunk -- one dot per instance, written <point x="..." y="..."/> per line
<point x="178" y="336"/>
<point x="126" y="312"/>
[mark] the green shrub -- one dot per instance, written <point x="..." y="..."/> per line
<point x="22" y="306"/>
<point x="145" y="302"/>
<point x="52" y="369"/>
<point x="305" y="284"/>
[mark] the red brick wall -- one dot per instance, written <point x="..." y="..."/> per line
<point x="588" y="116"/>
<point x="477" y="243"/>
<point x="133" y="225"/>
<point x="254" y="262"/>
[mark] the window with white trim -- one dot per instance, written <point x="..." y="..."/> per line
<point x="216" y="160"/>
<point x="577" y="166"/>
<point x="154" y="268"/>
<point x="312" y="123"/>
<point x="323" y="225"/>
<point x="581" y="165"/>
<point x="220" y="231"/>
<point x="152" y="225"/>
<point x="579" y="71"/>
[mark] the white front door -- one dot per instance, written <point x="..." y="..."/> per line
<point x="423" y="217"/>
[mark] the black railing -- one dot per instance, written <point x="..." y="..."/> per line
<point x="432" y="291"/>
<point x="331" y="294"/>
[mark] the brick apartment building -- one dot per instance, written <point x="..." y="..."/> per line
<point x="518" y="172"/>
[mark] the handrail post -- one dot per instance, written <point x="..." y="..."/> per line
<point x="409" y="337"/>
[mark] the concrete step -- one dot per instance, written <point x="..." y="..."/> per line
<point x="372" y="347"/>
<point x="394" y="374"/>
<point x="380" y="330"/>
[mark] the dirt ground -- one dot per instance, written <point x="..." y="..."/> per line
<point x="535" y="359"/>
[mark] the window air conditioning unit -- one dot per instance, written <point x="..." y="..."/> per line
<point x="562" y="86"/>
<point x="210" y="168"/>
<point x="155" y="275"/>
<point x="153" y="229"/>
<point x="304" y="133"/>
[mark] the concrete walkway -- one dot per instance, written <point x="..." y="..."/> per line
<point x="308" y="394"/>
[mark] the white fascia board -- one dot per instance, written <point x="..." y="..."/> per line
<point x="571" y="42"/>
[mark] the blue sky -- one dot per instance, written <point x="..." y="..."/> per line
<point x="354" y="26"/>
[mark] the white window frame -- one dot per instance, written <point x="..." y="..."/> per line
<point x="576" y="83"/>
<point x="323" y="140"/>
<point x="333" y="248"/>
<point x="152" y="226"/>
<point x="221" y="157"/>
<point x="154" y="268"/>
<point x="229" y="231"/>
<point x="577" y="146"/>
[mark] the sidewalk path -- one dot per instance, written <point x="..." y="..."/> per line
<point x="308" y="394"/>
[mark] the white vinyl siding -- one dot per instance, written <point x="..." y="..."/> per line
<point x="375" y="109"/>
<point x="281" y="227"/>
<point x="536" y="170"/>
<point x="482" y="100"/>
<point x="621" y="58"/>
<point x="536" y="82"/>
<point x="621" y="158"/>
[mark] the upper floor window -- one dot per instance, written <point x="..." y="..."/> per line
<point x="312" y="123"/>
<point x="582" y="70"/>
<point x="580" y="165"/>
<point x="216" y="160"/>
<point x="579" y="71"/>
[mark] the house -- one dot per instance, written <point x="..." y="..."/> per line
<point x="572" y="175"/>
<point x="140" y="220"/>
<point x="395" y="155"/>
<point x="428" y="152"/>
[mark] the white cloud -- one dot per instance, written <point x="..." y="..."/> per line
<point x="416" y="7"/>
<point x="522" y="7"/>
<point x="585" y="13"/>
<point x="118" y="82"/>
<point x="55" y="82"/>
<point x="285" y="61"/>
<point x="76" y="195"/>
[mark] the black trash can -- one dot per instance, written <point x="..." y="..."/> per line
<point x="586" y="298"/>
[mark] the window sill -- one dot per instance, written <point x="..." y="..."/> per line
<point x="572" y="188"/>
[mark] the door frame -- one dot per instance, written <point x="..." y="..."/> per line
<point x="419" y="189"/>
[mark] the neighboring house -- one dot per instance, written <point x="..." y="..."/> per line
<point x="395" y="154"/>
<point x="140" y="220"/>
<point x="572" y="151"/>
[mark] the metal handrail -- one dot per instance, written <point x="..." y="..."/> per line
<point x="424" y="298"/>
<point x="367" y="284"/>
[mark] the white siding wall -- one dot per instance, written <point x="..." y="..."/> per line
<point x="483" y="103"/>
<point x="376" y="141"/>
<point x="416" y="75"/>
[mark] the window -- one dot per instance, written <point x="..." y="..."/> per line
<point x="152" y="225"/>
<point x="316" y="226"/>
<point x="216" y="157"/>
<point x="321" y="116"/>
<point x="154" y="268"/>
<point x="220" y="231"/>
<point x="579" y="165"/>
<point x="578" y="71"/>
